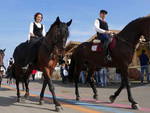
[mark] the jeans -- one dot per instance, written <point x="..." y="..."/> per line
<point x="103" y="77"/>
<point x="104" y="37"/>
<point x="97" y="77"/>
<point x="118" y="77"/>
<point x="82" y="77"/>
<point x="144" y="69"/>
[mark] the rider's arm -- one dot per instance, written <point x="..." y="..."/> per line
<point x="43" y="32"/>
<point x="30" y="31"/>
<point x="96" y="25"/>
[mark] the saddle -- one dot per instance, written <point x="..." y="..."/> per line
<point x="97" y="45"/>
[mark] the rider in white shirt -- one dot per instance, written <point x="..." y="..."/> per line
<point x="103" y="33"/>
<point x="37" y="29"/>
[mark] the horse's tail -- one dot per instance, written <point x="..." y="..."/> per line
<point x="71" y="69"/>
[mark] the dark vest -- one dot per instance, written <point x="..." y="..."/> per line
<point x="102" y="25"/>
<point x="37" y="31"/>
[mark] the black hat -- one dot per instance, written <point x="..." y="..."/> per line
<point x="103" y="11"/>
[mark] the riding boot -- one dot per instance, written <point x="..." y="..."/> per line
<point x="106" y="50"/>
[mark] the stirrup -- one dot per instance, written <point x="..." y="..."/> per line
<point x="109" y="58"/>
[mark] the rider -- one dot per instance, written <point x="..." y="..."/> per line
<point x="103" y="32"/>
<point x="10" y="61"/>
<point x="37" y="29"/>
<point x="36" y="32"/>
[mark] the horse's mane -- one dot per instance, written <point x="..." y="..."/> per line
<point x="136" y="21"/>
<point x="51" y="28"/>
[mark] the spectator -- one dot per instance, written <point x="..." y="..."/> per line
<point x="64" y="72"/>
<point x="83" y="74"/>
<point x="118" y="75"/>
<point x="144" y="61"/>
<point x="0" y="78"/>
<point x="103" y="77"/>
<point x="97" y="77"/>
<point x="33" y="74"/>
<point x="149" y="71"/>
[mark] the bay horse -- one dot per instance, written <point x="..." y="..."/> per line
<point x="2" y="54"/>
<point x="121" y="54"/>
<point x="49" y="52"/>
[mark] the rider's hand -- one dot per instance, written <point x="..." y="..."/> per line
<point x="31" y="34"/>
<point x="108" y="32"/>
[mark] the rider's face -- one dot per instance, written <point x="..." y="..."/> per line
<point x="38" y="18"/>
<point x="102" y="15"/>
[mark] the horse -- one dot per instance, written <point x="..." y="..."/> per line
<point x="2" y="54"/>
<point x="121" y="53"/>
<point x="49" y="51"/>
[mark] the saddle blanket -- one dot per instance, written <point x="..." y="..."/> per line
<point x="97" y="46"/>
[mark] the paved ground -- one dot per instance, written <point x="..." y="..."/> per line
<point x="65" y="93"/>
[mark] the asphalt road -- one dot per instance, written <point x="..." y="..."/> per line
<point x="65" y="94"/>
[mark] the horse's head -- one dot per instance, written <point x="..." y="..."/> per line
<point x="145" y="27"/>
<point x="58" y="35"/>
<point x="2" y="54"/>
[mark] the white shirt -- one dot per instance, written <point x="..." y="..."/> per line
<point x="39" y="25"/>
<point x="97" y="28"/>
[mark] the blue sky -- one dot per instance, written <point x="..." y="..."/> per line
<point x="16" y="16"/>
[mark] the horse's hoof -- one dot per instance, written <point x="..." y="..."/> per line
<point x="18" y="99"/>
<point x="95" y="97"/>
<point x="41" y="102"/>
<point x="135" y="106"/>
<point x="58" y="108"/>
<point x="26" y="96"/>
<point x="77" y="98"/>
<point x="112" y="98"/>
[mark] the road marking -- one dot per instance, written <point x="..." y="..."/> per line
<point x="75" y="103"/>
<point x="79" y="108"/>
<point x="106" y="107"/>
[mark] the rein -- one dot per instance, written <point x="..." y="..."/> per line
<point x="126" y="42"/>
<point x="50" y="48"/>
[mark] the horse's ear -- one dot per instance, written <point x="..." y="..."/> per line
<point x="4" y="50"/>
<point x="57" y="20"/>
<point x="69" y="23"/>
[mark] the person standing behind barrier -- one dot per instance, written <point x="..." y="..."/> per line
<point x="33" y="74"/>
<point x="0" y="79"/>
<point x="97" y="77"/>
<point x="83" y="74"/>
<point x="64" y="72"/>
<point x="103" y="77"/>
<point x="118" y="75"/>
<point x="144" y="61"/>
<point x="149" y="71"/>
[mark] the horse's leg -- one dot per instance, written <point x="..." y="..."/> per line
<point x="51" y="88"/>
<point x="77" y="74"/>
<point x="42" y="92"/>
<point x="26" y="82"/>
<point x="76" y="89"/>
<point x="23" y="84"/>
<point x="47" y="75"/>
<point x="0" y="81"/>
<point x="113" y="97"/>
<point x="127" y="84"/>
<point x="130" y="98"/>
<point x="92" y="83"/>
<point x="18" y="91"/>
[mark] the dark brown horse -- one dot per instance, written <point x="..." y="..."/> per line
<point x="49" y="51"/>
<point x="2" y="54"/>
<point x="121" y="54"/>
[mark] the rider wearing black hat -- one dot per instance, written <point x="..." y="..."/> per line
<point x="103" y="32"/>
